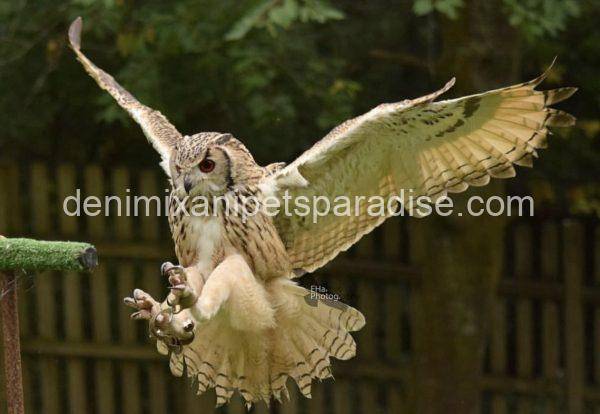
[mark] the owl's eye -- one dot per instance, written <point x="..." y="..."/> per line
<point x="206" y="165"/>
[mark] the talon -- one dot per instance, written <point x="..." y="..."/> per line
<point x="145" y="305"/>
<point x="166" y="267"/>
<point x="188" y="326"/>
<point x="178" y="287"/>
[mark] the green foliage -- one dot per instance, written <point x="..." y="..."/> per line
<point x="275" y="14"/>
<point x="449" y="8"/>
<point x="538" y="18"/>
<point x="279" y="74"/>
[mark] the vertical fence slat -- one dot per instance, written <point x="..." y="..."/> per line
<point x="367" y="303"/>
<point x="549" y="251"/>
<point x="524" y="309"/>
<point x="524" y="349"/>
<point x="46" y="318"/>
<point x="76" y="375"/>
<point x="103" y="369"/>
<point x="204" y="403"/>
<point x="395" y="399"/>
<point x="291" y="406"/>
<point x="367" y="336"/>
<point x="368" y="397"/>
<point x="342" y="393"/>
<point x="236" y="405"/>
<point x="148" y="188"/>
<point x="45" y="292"/>
<point x="261" y="408"/>
<point x="119" y="211"/>
<point x="66" y="185"/>
<point x="524" y="338"/>
<point x="597" y="254"/>
<point x="129" y="370"/>
<point x="100" y="298"/>
<point x="498" y="353"/>
<point x="550" y="311"/>
<point x="597" y="309"/>
<point x="316" y="405"/>
<point x="4" y="191"/>
<point x="392" y="243"/>
<point x="27" y="385"/>
<point x="12" y="199"/>
<point x="393" y="322"/>
<point x="157" y="287"/>
<point x="523" y="250"/>
<point x="551" y="347"/>
<point x="574" y="335"/>
<point x="40" y="200"/>
<point x="72" y="297"/>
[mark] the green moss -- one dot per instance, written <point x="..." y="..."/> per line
<point x="38" y="255"/>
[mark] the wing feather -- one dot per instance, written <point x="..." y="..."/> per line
<point x="411" y="148"/>
<point x="159" y="131"/>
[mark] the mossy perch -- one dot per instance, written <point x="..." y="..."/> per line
<point x="34" y="255"/>
<point x="31" y="255"/>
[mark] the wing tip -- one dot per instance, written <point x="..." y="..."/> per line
<point x="447" y="86"/>
<point x="535" y="82"/>
<point x="75" y="33"/>
<point x="561" y="119"/>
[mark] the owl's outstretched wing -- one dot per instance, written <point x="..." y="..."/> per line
<point x="419" y="146"/>
<point x="160" y="132"/>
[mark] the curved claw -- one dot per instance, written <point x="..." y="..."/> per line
<point x="165" y="268"/>
<point x="182" y="295"/>
<point x="144" y="303"/>
<point x="174" y="333"/>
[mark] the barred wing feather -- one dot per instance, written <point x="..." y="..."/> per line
<point x="419" y="146"/>
<point x="160" y="132"/>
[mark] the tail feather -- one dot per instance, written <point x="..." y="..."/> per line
<point x="309" y="332"/>
<point x="318" y="328"/>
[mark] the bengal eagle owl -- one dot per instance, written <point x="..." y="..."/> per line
<point x="234" y="318"/>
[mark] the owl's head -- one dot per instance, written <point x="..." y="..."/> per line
<point x="212" y="163"/>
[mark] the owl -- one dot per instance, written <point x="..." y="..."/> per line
<point x="234" y="318"/>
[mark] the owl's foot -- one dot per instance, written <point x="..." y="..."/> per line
<point x="147" y="307"/>
<point x="163" y="324"/>
<point x="182" y="295"/>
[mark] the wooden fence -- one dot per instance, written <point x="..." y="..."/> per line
<point x="544" y="348"/>
<point x="82" y="353"/>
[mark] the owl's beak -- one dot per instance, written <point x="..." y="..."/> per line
<point x="187" y="185"/>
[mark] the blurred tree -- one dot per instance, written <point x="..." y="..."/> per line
<point x="276" y="73"/>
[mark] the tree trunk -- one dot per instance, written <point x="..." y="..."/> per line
<point x="461" y="256"/>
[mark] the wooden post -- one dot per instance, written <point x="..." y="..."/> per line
<point x="574" y="332"/>
<point x="460" y="259"/>
<point x="12" y="347"/>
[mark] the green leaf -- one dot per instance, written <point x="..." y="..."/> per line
<point x="284" y="15"/>
<point x="422" y="7"/>
<point x="319" y="11"/>
<point x="449" y="8"/>
<point x="249" y="20"/>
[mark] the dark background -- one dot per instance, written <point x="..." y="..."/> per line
<point x="491" y="315"/>
<point x="279" y="74"/>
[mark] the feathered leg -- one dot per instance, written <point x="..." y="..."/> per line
<point x="232" y="285"/>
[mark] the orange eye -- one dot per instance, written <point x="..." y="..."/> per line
<point x="206" y="165"/>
